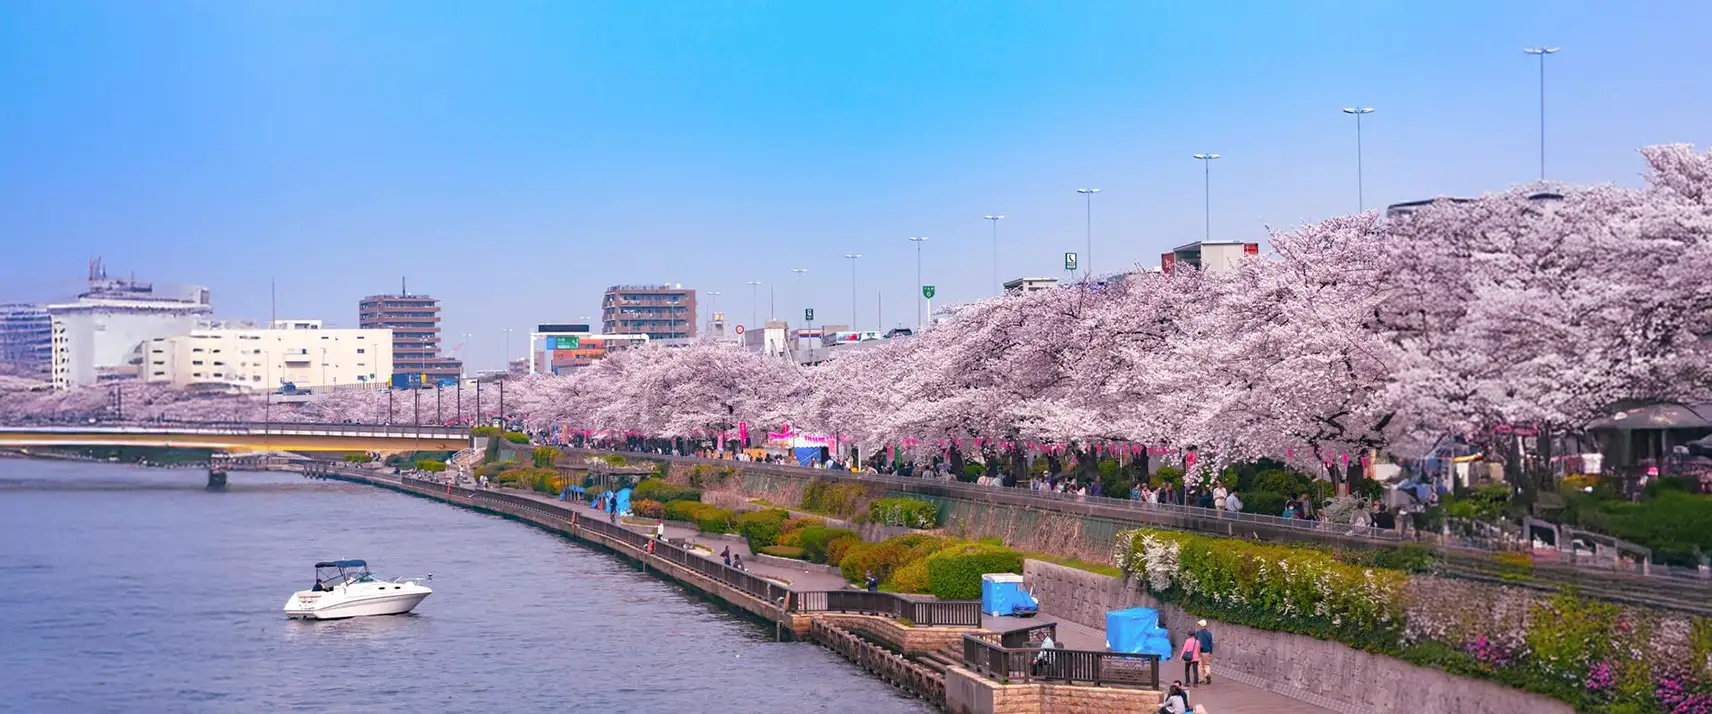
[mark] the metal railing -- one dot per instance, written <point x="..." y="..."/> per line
<point x="740" y="580"/>
<point x="1014" y="664"/>
<point x="1085" y="505"/>
<point x="926" y="613"/>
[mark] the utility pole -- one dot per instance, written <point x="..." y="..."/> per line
<point x="1207" y="189"/>
<point x="998" y="286"/>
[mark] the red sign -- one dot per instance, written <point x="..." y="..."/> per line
<point x="1251" y="249"/>
<point x="1167" y="261"/>
<point x="739" y="329"/>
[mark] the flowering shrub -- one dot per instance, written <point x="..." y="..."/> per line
<point x="1678" y="697"/>
<point x="1273" y="587"/>
<point x="646" y="508"/>
<point x="1601" y="678"/>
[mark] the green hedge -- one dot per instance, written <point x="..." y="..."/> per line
<point x="815" y="540"/>
<point x="691" y="511"/>
<point x="880" y="558"/>
<point x="431" y="465"/>
<point x="762" y="528"/>
<point x="833" y="499"/>
<point x="517" y="437"/>
<point x="1670" y="522"/>
<point x="658" y="490"/>
<point x="483" y="432"/>
<point x="784" y="551"/>
<point x="908" y="512"/>
<point x="955" y="573"/>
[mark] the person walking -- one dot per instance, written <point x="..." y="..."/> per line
<point x="726" y="556"/>
<point x="872" y="583"/>
<point x="1205" y="637"/>
<point x="737" y="560"/>
<point x="1191" y="653"/>
<point x="1232" y="503"/>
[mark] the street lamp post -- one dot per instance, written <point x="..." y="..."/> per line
<point x="998" y="287"/>
<point x="1088" y="258"/>
<point x="754" y="303"/>
<point x="1207" y="189"/>
<point x="1360" y="188"/>
<point x="853" y="258"/>
<point x="505" y="360"/>
<point x="918" y="241"/>
<point x="1542" y="52"/>
<point x="800" y="298"/>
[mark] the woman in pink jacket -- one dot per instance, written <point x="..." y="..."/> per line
<point x="1191" y="661"/>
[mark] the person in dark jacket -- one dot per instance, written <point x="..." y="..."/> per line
<point x="1206" y="637"/>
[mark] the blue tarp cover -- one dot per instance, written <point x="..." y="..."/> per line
<point x="1137" y="631"/>
<point x="624" y="502"/>
<point x="1004" y="598"/>
<point x="806" y="455"/>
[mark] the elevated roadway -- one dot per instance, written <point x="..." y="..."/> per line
<point x="242" y="437"/>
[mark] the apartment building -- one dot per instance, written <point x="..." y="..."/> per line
<point x="415" y="324"/>
<point x="662" y="312"/>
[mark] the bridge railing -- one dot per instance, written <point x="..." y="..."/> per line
<point x="395" y="431"/>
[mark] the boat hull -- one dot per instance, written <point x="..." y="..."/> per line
<point x="308" y="605"/>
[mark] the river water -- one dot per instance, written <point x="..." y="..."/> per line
<point x="125" y="589"/>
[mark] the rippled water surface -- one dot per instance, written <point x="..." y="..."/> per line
<point x="132" y="590"/>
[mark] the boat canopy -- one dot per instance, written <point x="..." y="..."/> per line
<point x="342" y="564"/>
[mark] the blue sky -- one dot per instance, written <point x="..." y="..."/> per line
<point x="514" y="158"/>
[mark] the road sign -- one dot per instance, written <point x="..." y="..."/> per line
<point x="808" y="314"/>
<point x="927" y="291"/>
<point x="1070" y="262"/>
<point x="739" y="329"/>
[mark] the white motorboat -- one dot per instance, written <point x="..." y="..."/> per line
<point x="345" y="588"/>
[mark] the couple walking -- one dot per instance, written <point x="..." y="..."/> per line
<point x="1197" y="654"/>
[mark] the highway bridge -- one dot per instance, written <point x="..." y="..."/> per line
<point x="242" y="437"/>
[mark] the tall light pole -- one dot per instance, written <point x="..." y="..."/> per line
<point x="754" y="303"/>
<point x="1088" y="259"/>
<point x="1360" y="188"/>
<point x="918" y="241"/>
<point x="800" y="298"/>
<point x="1542" y="52"/>
<point x="853" y="258"/>
<point x="1207" y="189"/>
<point x="998" y="287"/>
<point x="506" y="358"/>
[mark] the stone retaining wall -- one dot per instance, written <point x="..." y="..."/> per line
<point x="967" y="692"/>
<point x="1326" y="674"/>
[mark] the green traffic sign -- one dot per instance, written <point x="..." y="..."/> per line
<point x="1070" y="262"/>
<point x="927" y="291"/>
<point x="808" y="314"/>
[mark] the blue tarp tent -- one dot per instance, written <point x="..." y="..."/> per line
<point x="1002" y="595"/>
<point x="624" y="502"/>
<point x="806" y="455"/>
<point x="1137" y="631"/>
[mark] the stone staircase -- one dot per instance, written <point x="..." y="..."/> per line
<point x="951" y="655"/>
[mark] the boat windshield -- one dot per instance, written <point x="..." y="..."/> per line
<point x="340" y="573"/>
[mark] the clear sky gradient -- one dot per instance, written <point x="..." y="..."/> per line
<point x="514" y="158"/>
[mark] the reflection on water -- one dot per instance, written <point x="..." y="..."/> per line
<point x="165" y="598"/>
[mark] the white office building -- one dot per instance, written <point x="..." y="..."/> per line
<point x="96" y="337"/>
<point x="300" y="355"/>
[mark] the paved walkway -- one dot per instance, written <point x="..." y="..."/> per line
<point x="806" y="578"/>
<point x="1223" y="697"/>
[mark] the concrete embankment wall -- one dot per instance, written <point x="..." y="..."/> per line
<point x="1326" y="674"/>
